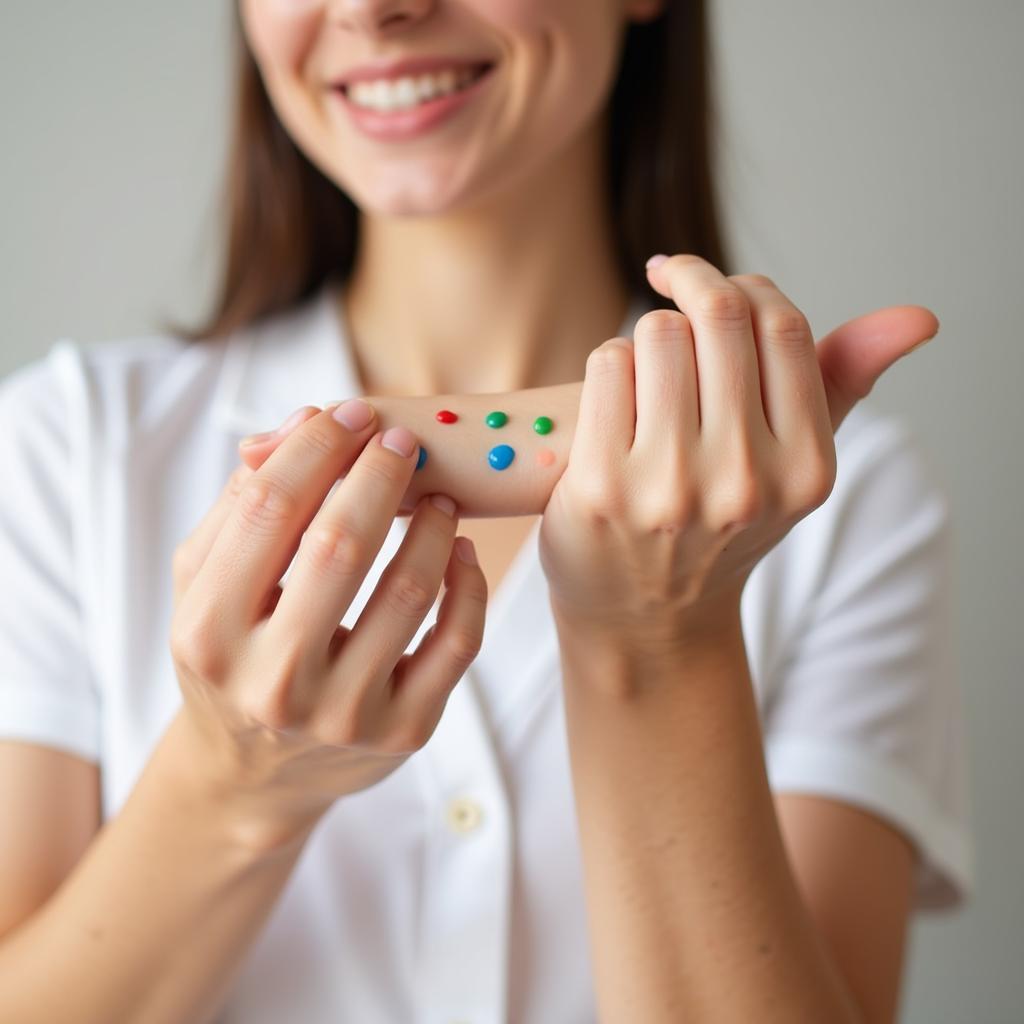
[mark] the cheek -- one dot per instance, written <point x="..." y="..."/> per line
<point x="518" y="15"/>
<point x="281" y="32"/>
<point x="572" y="46"/>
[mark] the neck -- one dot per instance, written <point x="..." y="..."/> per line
<point x="510" y="293"/>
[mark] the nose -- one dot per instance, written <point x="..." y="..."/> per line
<point x="376" y="15"/>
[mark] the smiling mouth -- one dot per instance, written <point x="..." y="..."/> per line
<point x="407" y="92"/>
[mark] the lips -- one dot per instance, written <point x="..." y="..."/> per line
<point x="413" y="121"/>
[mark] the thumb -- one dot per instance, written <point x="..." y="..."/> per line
<point x="858" y="352"/>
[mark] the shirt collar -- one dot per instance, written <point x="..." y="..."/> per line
<point x="277" y="365"/>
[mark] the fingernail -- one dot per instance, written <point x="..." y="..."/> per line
<point x="400" y="440"/>
<point x="656" y="261"/>
<point x="465" y="550"/>
<point x="354" y="414"/>
<point x="444" y="503"/>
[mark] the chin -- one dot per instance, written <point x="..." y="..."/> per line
<point x="409" y="190"/>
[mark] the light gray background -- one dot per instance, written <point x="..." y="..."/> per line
<point x="871" y="155"/>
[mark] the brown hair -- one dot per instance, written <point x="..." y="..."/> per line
<point x="290" y="228"/>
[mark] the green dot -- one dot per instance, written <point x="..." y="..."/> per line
<point x="496" y="419"/>
<point x="543" y="425"/>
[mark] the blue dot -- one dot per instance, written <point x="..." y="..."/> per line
<point x="501" y="456"/>
<point x="421" y="458"/>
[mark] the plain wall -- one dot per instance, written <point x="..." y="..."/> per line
<point x="871" y="155"/>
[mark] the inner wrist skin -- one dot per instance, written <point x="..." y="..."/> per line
<point x="457" y="453"/>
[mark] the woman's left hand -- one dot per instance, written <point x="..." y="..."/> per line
<point x="698" y="446"/>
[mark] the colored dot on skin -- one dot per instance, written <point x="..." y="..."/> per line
<point x="501" y="456"/>
<point x="545" y="457"/>
<point x="496" y="419"/>
<point x="543" y="425"/>
<point x="446" y="416"/>
<point x="421" y="458"/>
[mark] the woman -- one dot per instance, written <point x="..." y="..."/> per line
<point x="704" y="758"/>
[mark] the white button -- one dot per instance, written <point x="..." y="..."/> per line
<point x="464" y="814"/>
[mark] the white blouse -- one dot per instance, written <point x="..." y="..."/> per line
<point x="451" y="892"/>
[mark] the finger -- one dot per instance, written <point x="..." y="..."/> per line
<point x="342" y="542"/>
<point x="728" y="377"/>
<point x="255" y="449"/>
<point x="263" y="528"/>
<point x="255" y="452"/>
<point x="666" y="381"/>
<point x="425" y="678"/>
<point x="606" y="418"/>
<point x="793" y="394"/>
<point x="405" y="593"/>
<point x="854" y="355"/>
<point x="192" y="552"/>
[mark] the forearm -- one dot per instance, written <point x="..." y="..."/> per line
<point x="153" y="920"/>
<point x="457" y="453"/>
<point x="693" y="911"/>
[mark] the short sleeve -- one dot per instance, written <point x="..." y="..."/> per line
<point x="47" y="690"/>
<point x="867" y="708"/>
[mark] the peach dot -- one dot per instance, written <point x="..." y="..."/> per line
<point x="545" y="457"/>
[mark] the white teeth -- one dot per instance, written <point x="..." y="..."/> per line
<point x="403" y="93"/>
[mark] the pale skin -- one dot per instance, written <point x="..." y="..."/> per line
<point x="736" y="904"/>
<point x="822" y="951"/>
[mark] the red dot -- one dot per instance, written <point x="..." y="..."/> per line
<point x="446" y="416"/>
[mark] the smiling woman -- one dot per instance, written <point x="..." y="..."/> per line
<point x="292" y="228"/>
<point x="696" y="757"/>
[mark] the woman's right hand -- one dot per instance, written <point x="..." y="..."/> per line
<point x="285" y="710"/>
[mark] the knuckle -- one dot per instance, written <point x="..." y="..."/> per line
<point x="740" y="505"/>
<point x="265" y="504"/>
<point x="237" y="480"/>
<point x="813" y="487"/>
<point x="270" y="708"/>
<point x="475" y="594"/>
<point x="409" y="594"/>
<point x="667" y="515"/>
<point x="334" y="549"/>
<point x="377" y="467"/>
<point x="786" y="326"/>
<point x="609" y="359"/>
<point x="194" y="647"/>
<point x="408" y="737"/>
<point x="723" y="305"/>
<point x="464" y="644"/>
<point x="343" y="729"/>
<point x="601" y="498"/>
<point x="318" y="437"/>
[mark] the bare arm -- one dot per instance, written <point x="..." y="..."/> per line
<point x="153" y="920"/>
<point x="695" y="910"/>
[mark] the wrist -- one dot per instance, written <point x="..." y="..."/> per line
<point x="244" y="818"/>
<point x="659" y="656"/>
